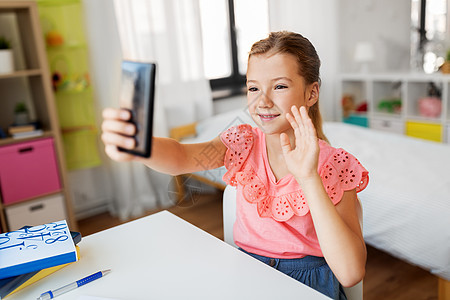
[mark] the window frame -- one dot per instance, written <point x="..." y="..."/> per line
<point x="235" y="83"/>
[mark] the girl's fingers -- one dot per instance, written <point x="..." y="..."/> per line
<point x="116" y="114"/>
<point x="308" y="122"/>
<point x="291" y="120"/>
<point x="285" y="143"/>
<point x="294" y="125"/>
<point x="299" y="120"/>
<point x="117" y="131"/>
<point x="125" y="128"/>
<point x="301" y="123"/>
<point x="109" y="138"/>
<point x="117" y="155"/>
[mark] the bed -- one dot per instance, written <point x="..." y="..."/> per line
<point x="407" y="202"/>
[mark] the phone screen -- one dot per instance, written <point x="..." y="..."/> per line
<point x="137" y="94"/>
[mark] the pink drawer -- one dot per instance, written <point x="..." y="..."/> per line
<point x="28" y="170"/>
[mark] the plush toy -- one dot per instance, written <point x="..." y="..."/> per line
<point x="430" y="107"/>
<point x="56" y="80"/>
<point x="54" y="38"/>
<point x="348" y="105"/>
<point x="390" y="105"/>
<point x="362" y="108"/>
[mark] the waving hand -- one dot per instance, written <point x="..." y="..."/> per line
<point x="302" y="158"/>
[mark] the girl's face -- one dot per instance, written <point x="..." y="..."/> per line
<point x="273" y="87"/>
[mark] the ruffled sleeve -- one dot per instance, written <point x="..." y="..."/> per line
<point x="239" y="142"/>
<point x="343" y="172"/>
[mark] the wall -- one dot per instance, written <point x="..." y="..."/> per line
<point x="316" y="20"/>
<point x="384" y="23"/>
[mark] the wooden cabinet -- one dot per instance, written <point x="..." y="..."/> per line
<point x="30" y="83"/>
<point x="398" y="103"/>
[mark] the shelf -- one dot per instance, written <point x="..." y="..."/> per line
<point x="57" y="3"/>
<point x="22" y="73"/>
<point x="10" y="140"/>
<point x="66" y="47"/>
<point x="66" y="130"/>
<point x="62" y="92"/>
<point x="424" y="119"/>
<point x="395" y="76"/>
<point x="408" y="90"/>
<point x="387" y="116"/>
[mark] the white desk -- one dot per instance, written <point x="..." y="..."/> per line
<point x="164" y="257"/>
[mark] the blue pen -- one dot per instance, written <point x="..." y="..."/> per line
<point x="52" y="294"/>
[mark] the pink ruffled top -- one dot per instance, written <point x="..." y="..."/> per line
<point x="272" y="217"/>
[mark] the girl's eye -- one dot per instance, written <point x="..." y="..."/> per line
<point x="252" y="89"/>
<point x="280" y="86"/>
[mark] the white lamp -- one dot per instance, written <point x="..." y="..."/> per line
<point x="364" y="55"/>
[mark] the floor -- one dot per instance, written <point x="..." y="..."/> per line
<point x="386" y="277"/>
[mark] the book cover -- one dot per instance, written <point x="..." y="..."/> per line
<point x="35" y="248"/>
<point x="20" y="128"/>
<point x="27" y="134"/>
<point x="13" y="284"/>
<point x="37" y="276"/>
<point x="31" y="126"/>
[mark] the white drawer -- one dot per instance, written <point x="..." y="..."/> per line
<point x="36" y="212"/>
<point x="395" y="126"/>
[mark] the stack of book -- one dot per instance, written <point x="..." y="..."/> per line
<point x="24" y="131"/>
<point x="32" y="253"/>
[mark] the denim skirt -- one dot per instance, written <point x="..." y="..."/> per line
<point x="310" y="270"/>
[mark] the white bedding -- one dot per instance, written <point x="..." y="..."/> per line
<point x="407" y="202"/>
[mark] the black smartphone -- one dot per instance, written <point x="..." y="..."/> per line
<point x="137" y="94"/>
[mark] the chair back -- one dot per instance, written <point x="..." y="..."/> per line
<point x="229" y="217"/>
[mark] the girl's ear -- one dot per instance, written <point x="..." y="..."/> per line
<point x="313" y="95"/>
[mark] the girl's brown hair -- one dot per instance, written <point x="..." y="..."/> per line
<point x="308" y="62"/>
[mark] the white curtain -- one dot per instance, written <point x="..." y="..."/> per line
<point x="165" y="32"/>
<point x="168" y="32"/>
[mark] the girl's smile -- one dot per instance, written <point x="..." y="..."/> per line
<point x="268" y="117"/>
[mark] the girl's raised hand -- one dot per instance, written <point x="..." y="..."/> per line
<point x="302" y="160"/>
<point x="118" y="132"/>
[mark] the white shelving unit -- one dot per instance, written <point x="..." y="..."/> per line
<point x="409" y="88"/>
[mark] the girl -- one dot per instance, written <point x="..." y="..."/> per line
<point x="297" y="208"/>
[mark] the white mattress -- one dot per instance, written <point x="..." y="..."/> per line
<point x="407" y="202"/>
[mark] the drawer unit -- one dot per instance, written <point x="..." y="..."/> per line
<point x="427" y="131"/>
<point x="36" y="212"/>
<point x="28" y="170"/>
<point x="388" y="125"/>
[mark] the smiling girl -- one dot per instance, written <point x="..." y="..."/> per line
<point x="297" y="208"/>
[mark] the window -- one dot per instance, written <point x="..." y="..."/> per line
<point x="429" y="24"/>
<point x="229" y="28"/>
